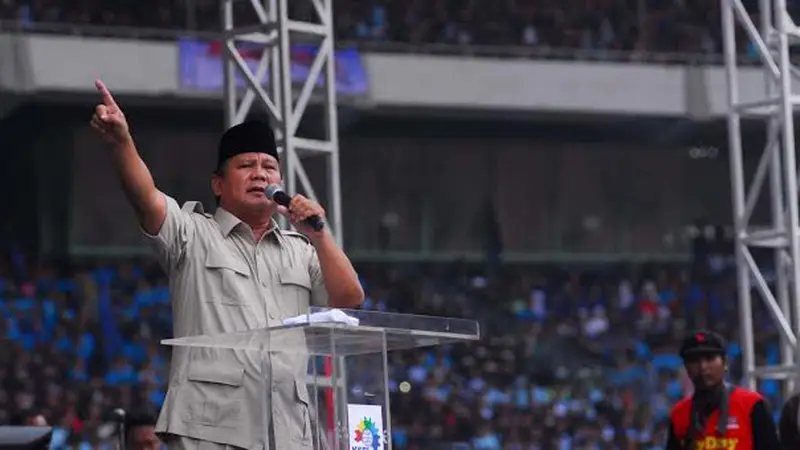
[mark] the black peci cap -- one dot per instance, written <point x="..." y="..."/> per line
<point x="252" y="136"/>
<point x="138" y="419"/>
<point x="703" y="342"/>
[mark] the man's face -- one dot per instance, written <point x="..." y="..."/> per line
<point x="143" y="438"/>
<point x="243" y="179"/>
<point x="706" y="370"/>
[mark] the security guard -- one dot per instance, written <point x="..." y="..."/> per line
<point x="719" y="416"/>
<point x="232" y="271"/>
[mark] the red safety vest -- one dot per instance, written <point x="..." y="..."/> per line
<point x="738" y="432"/>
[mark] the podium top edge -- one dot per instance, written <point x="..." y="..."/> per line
<point x="344" y="322"/>
<point x="333" y="327"/>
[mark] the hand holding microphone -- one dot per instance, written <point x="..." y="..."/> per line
<point x="304" y="213"/>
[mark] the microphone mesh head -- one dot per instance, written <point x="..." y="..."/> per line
<point x="271" y="190"/>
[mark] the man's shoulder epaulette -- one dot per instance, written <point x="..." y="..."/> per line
<point x="195" y="208"/>
<point x="296" y="235"/>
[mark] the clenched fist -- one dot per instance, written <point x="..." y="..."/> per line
<point x="108" y="118"/>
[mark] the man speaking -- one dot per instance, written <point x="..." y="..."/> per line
<point x="231" y="271"/>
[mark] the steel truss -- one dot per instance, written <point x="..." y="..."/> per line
<point x="772" y="40"/>
<point x="273" y="35"/>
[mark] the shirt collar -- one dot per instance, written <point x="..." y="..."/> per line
<point x="228" y="222"/>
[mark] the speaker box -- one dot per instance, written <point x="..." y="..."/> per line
<point x="25" y="438"/>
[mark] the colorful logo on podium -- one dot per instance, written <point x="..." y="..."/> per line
<point x="366" y="427"/>
<point x="367" y="434"/>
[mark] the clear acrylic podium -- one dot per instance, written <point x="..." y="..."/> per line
<point x="349" y="377"/>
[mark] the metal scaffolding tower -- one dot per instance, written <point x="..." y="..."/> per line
<point x="272" y="37"/>
<point x="772" y="39"/>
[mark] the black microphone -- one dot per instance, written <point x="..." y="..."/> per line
<point x="276" y="193"/>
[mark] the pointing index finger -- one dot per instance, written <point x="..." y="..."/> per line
<point x="108" y="99"/>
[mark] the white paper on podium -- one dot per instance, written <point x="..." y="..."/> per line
<point x="365" y="426"/>
<point x="331" y="315"/>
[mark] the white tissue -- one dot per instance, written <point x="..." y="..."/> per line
<point x="331" y="315"/>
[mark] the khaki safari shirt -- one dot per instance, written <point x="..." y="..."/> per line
<point x="221" y="280"/>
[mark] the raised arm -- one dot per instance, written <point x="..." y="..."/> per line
<point x="137" y="182"/>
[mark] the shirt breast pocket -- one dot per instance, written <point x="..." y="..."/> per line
<point x="228" y="277"/>
<point x="295" y="291"/>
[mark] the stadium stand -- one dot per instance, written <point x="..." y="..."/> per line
<point x="607" y="372"/>
<point x="591" y="25"/>
<point x="571" y="358"/>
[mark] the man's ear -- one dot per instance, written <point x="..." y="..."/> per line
<point x="216" y="184"/>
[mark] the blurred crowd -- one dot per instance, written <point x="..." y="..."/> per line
<point x="568" y="359"/>
<point x="645" y="26"/>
